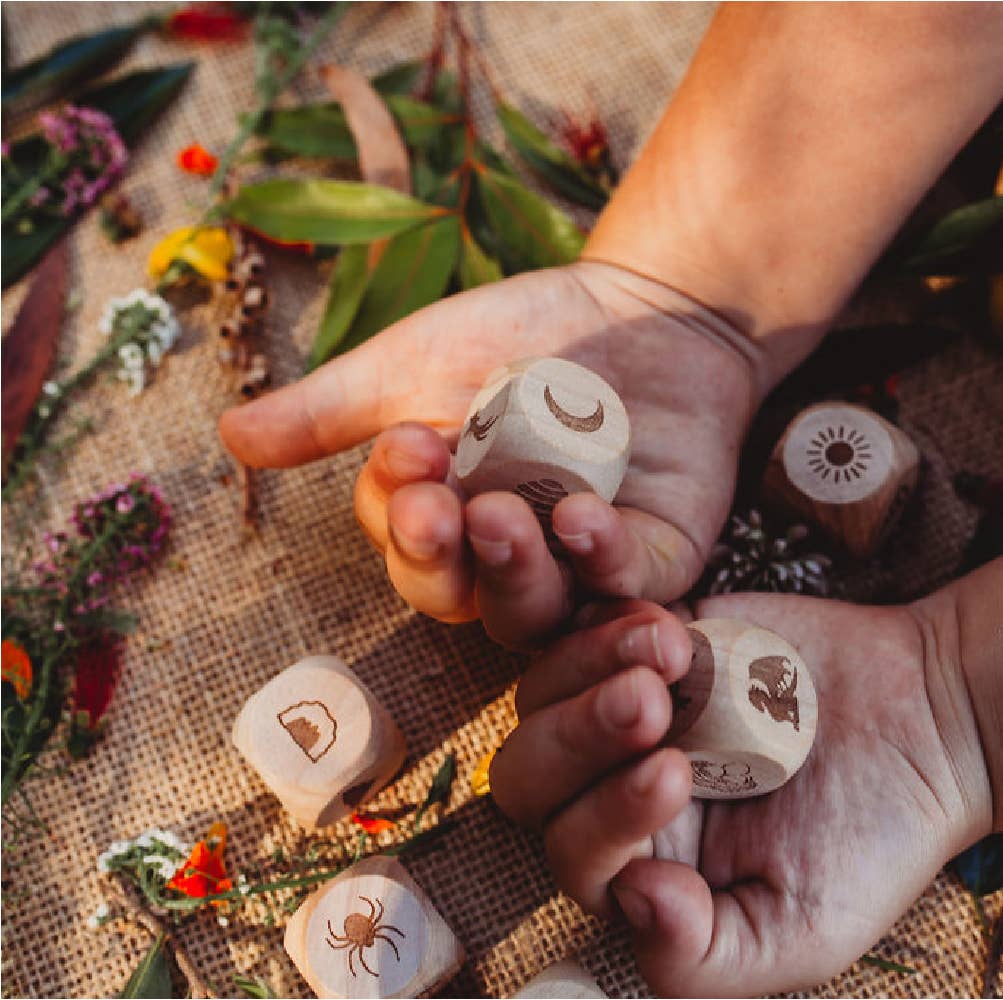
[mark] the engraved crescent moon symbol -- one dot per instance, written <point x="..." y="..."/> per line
<point x="479" y="430"/>
<point x="584" y="424"/>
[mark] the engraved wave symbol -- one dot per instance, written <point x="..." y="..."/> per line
<point x="542" y="495"/>
<point x="584" y="424"/>
<point x="479" y="430"/>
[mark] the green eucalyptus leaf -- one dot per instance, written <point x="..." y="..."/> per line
<point x="531" y="232"/>
<point x="327" y="211"/>
<point x="349" y="281"/>
<point x="476" y="267"/>
<point x="257" y="988"/>
<point x="152" y="977"/>
<point x="321" y="129"/>
<point x="958" y="241"/>
<point x="441" y="785"/>
<point x="548" y="161"/>
<point x="413" y="272"/>
<point x="70" y="62"/>
<point x="132" y="102"/>
<point x="399" y="79"/>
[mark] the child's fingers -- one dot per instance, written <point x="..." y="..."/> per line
<point x="557" y="753"/>
<point x="426" y="557"/>
<point x="646" y="635"/>
<point x="407" y="453"/>
<point x="623" y="552"/>
<point x="691" y="942"/>
<point x="522" y="592"/>
<point x="599" y="833"/>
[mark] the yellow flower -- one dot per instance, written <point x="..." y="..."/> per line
<point x="479" y="780"/>
<point x="207" y="250"/>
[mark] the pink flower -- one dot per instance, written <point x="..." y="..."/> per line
<point x="125" y="503"/>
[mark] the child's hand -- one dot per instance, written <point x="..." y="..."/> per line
<point x="766" y="894"/>
<point x="690" y="384"/>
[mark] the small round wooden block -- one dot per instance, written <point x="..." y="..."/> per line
<point x="544" y="428"/>
<point x="319" y="739"/>
<point x="372" y="932"/>
<point x="745" y="713"/>
<point x="564" y="980"/>
<point x="846" y="470"/>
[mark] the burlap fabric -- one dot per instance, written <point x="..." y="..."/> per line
<point x="228" y="611"/>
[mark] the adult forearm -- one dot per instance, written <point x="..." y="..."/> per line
<point x="799" y="140"/>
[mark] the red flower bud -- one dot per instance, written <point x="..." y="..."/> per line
<point x="196" y="159"/>
<point x="208" y="22"/>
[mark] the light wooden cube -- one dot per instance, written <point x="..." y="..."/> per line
<point x="565" y="979"/>
<point x="846" y="470"/>
<point x="319" y="739"/>
<point x="372" y="932"/>
<point x="544" y="428"/>
<point x="745" y="713"/>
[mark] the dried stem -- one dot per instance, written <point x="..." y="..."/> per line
<point x="136" y="911"/>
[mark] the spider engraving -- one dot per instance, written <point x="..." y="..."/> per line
<point x="363" y="932"/>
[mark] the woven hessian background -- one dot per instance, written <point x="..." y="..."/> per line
<point x="228" y="611"/>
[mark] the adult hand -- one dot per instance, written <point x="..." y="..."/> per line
<point x="768" y="894"/>
<point x="690" y="383"/>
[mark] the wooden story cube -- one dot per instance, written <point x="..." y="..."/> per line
<point x="319" y="739"/>
<point x="846" y="470"/>
<point x="565" y="979"/>
<point x="372" y="932"/>
<point x="544" y="428"/>
<point x="745" y="713"/>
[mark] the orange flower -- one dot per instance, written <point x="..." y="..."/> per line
<point x="197" y="159"/>
<point x="16" y="668"/>
<point x="203" y="873"/>
<point x="480" y="783"/>
<point x="373" y="824"/>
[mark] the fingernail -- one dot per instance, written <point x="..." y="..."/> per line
<point x="644" y="777"/>
<point x="642" y="646"/>
<point x="581" y="544"/>
<point x="636" y="908"/>
<point x="617" y="705"/>
<point x="421" y="549"/>
<point x="490" y="551"/>
<point x="406" y="466"/>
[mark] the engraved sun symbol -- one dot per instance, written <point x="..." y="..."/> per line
<point x="841" y="452"/>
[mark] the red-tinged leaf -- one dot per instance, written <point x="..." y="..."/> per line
<point x="30" y="348"/>
<point x="98" y="669"/>
<point x="382" y="154"/>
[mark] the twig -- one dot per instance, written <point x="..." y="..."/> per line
<point x="198" y="988"/>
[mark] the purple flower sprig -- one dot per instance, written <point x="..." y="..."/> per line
<point x="86" y="155"/>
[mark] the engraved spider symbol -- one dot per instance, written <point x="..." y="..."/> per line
<point x="839" y="451"/>
<point x="363" y="932"/>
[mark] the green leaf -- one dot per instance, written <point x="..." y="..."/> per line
<point x="321" y="129"/>
<point x="132" y="102"/>
<point x="980" y="867"/>
<point x="327" y="211"/>
<point x="74" y="60"/>
<point x="413" y="272"/>
<point x="256" y="988"/>
<point x="973" y="230"/>
<point x="883" y="963"/>
<point x="349" y="281"/>
<point x="532" y="233"/>
<point x="399" y="79"/>
<point x="476" y="267"/>
<point x="551" y="163"/>
<point x="152" y="977"/>
<point x="440" y="788"/>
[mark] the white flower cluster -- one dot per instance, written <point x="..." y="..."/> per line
<point x="99" y="917"/>
<point x="153" y="327"/>
<point x="51" y="391"/>
<point x="160" y="850"/>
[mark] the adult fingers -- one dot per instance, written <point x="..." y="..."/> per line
<point x="622" y="552"/>
<point x="557" y="753"/>
<point x="599" y="833"/>
<point x="643" y="634"/>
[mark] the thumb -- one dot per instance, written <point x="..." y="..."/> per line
<point x="333" y="408"/>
